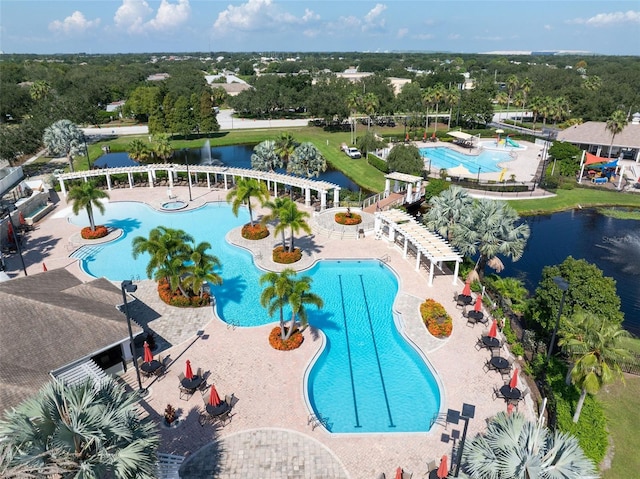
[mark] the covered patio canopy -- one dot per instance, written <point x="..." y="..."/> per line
<point x="461" y="135"/>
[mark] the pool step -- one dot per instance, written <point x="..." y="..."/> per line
<point x="85" y="252"/>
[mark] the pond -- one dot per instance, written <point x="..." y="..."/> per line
<point x="237" y="156"/>
<point x="613" y="245"/>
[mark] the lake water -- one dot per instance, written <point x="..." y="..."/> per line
<point x="611" y="244"/>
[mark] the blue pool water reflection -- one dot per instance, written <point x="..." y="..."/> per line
<point x="367" y="379"/>
<point x="487" y="161"/>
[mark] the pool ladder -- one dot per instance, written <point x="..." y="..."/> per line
<point x="385" y="259"/>
<point x="318" y="420"/>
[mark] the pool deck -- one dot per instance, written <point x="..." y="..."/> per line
<point x="269" y="435"/>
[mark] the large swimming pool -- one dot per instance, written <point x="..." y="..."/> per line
<point x="368" y="378"/>
<point x="486" y="162"/>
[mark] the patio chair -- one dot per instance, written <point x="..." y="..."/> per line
<point x="497" y="394"/>
<point x="488" y="366"/>
<point x="471" y="321"/>
<point x="407" y="475"/>
<point x="184" y="392"/>
<point x="479" y="344"/>
<point x="431" y="465"/>
<point x="231" y="400"/>
<point x="225" y="418"/>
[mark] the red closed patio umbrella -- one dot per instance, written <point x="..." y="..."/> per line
<point x="10" y="237"/>
<point x="478" y="305"/>
<point x="493" y="330"/>
<point x="148" y="356"/>
<point x="189" y="372"/>
<point x="514" y="379"/>
<point x="510" y="408"/>
<point x="406" y="137"/>
<point x="466" y="291"/>
<point x="21" y="218"/>
<point x="424" y="137"/>
<point x="214" y="398"/>
<point x="443" y="470"/>
<point x="44" y="267"/>
<point x="399" y="473"/>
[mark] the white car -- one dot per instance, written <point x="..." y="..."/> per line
<point x="352" y="152"/>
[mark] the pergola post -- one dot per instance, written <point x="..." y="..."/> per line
<point x="336" y="197"/>
<point x="108" y="181"/>
<point x="275" y="189"/>
<point x="409" y="191"/>
<point x="63" y="190"/>
<point x="431" y="267"/>
<point x="417" y="259"/>
<point x="456" y="269"/>
<point x="323" y="200"/>
<point x="225" y="181"/>
<point x="208" y="181"/>
<point x="406" y="247"/>
<point x="130" y="176"/>
<point x="387" y="186"/>
<point x="150" y="178"/>
<point x="170" y="175"/>
<point x="307" y="196"/>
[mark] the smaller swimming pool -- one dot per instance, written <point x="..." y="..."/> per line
<point x="488" y="161"/>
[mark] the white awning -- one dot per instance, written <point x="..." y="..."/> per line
<point x="460" y="134"/>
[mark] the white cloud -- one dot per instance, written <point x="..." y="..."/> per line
<point x="490" y="39"/>
<point x="424" y="36"/>
<point x="261" y="15"/>
<point x="454" y="36"/>
<point x="548" y="27"/>
<point x="75" y="23"/>
<point x="170" y="15"/>
<point x="373" y="19"/>
<point x="132" y="14"/>
<point x="402" y="32"/>
<point x="608" y="19"/>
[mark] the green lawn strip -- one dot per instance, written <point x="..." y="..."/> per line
<point x="620" y="402"/>
<point x="567" y="199"/>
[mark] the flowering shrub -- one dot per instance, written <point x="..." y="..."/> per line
<point x="255" y="232"/>
<point x="278" y="343"/>
<point x="100" y="232"/>
<point x="169" y="414"/>
<point x="348" y="218"/>
<point x="175" y="298"/>
<point x="436" y="319"/>
<point x="282" y="256"/>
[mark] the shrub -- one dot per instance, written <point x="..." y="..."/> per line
<point x="100" y="232"/>
<point x="436" y="319"/>
<point x="255" y="232"/>
<point x="351" y="219"/>
<point x="377" y="163"/>
<point x="276" y="341"/>
<point x="176" y="298"/>
<point x="169" y="414"/>
<point x="282" y="256"/>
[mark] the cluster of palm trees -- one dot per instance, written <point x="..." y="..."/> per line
<point x="284" y="211"/>
<point x="160" y="148"/>
<point x="284" y="152"/>
<point x="285" y="290"/>
<point x="485" y="227"/>
<point x="175" y="258"/>
<point x="436" y="95"/>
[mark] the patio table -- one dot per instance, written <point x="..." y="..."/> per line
<point x="462" y="298"/>
<point x="150" y="367"/>
<point x="217" y="410"/>
<point x="491" y="343"/>
<point x="499" y="363"/>
<point x="477" y="315"/>
<point x="191" y="384"/>
<point x="510" y="394"/>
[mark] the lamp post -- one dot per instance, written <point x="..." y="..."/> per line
<point x="564" y="286"/>
<point x="86" y="150"/>
<point x="7" y="211"/>
<point x="127" y="286"/>
<point x="479" y="168"/>
<point x="453" y="416"/>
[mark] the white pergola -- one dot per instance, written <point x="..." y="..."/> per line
<point x="426" y="243"/>
<point x="413" y="193"/>
<point x="272" y="179"/>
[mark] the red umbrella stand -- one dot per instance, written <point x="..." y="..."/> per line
<point x="189" y="372"/>
<point x="466" y="291"/>
<point x="148" y="356"/>
<point x="399" y="473"/>
<point x="443" y="470"/>
<point x="214" y="398"/>
<point x="478" y="306"/>
<point x="493" y="330"/>
<point x="514" y="379"/>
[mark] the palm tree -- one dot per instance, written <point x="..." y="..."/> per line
<point x="525" y="87"/>
<point x="438" y="93"/>
<point x="86" y="430"/>
<point x="501" y="99"/>
<point x="164" y="245"/>
<point x="138" y="150"/>
<point x="535" y="104"/>
<point x="446" y="210"/>
<point x="546" y="109"/>
<point x="247" y="188"/>
<point x="276" y="206"/>
<point x="427" y="101"/>
<point x="264" y="156"/>
<point x="162" y="147"/>
<point x="370" y="104"/>
<point x="594" y="346"/>
<point x="285" y="146"/>
<point x="64" y="138"/>
<point x="39" y="90"/>
<point x="452" y="97"/>
<point x="560" y="109"/>
<point x="488" y="229"/>
<point x="353" y="103"/>
<point x="616" y="124"/>
<point x="307" y="161"/>
<point x="275" y="296"/>
<point x="86" y="196"/>
<point x="300" y="296"/>
<point x="514" y="448"/>
<point x="512" y="86"/>
<point x="201" y="269"/>
<point x="293" y="219"/>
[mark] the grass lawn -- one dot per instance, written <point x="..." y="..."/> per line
<point x="621" y="408"/>
<point x="567" y="199"/>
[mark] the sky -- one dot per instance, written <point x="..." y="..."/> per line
<point x="471" y="26"/>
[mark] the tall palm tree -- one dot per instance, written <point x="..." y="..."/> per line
<point x="446" y="210"/>
<point x="353" y="103"/>
<point x="514" y="448"/>
<point x="427" y="101"/>
<point x="512" y="87"/>
<point x="162" y="146"/>
<point x="293" y="219"/>
<point x="39" y="90"/>
<point x="560" y="109"/>
<point x="276" y="206"/>
<point x="163" y="245"/>
<point x="299" y="297"/>
<point x="139" y="150"/>
<point x="86" y="196"/>
<point x="525" y="87"/>
<point x="501" y="99"/>
<point x="488" y="229"/>
<point x="247" y="188"/>
<point x="592" y="83"/>
<point x="546" y="109"/>
<point x="594" y="346"/>
<point x="275" y="296"/>
<point x="264" y="156"/>
<point x="307" y="161"/>
<point x="370" y="104"/>
<point x="616" y="124"/>
<point x="535" y="104"/>
<point x="88" y="430"/>
<point x="64" y="138"/>
<point x="201" y="269"/>
<point x="285" y="146"/>
<point x="438" y="94"/>
<point x="451" y="98"/>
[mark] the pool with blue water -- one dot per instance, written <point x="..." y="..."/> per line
<point x="488" y="161"/>
<point x="368" y="378"/>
